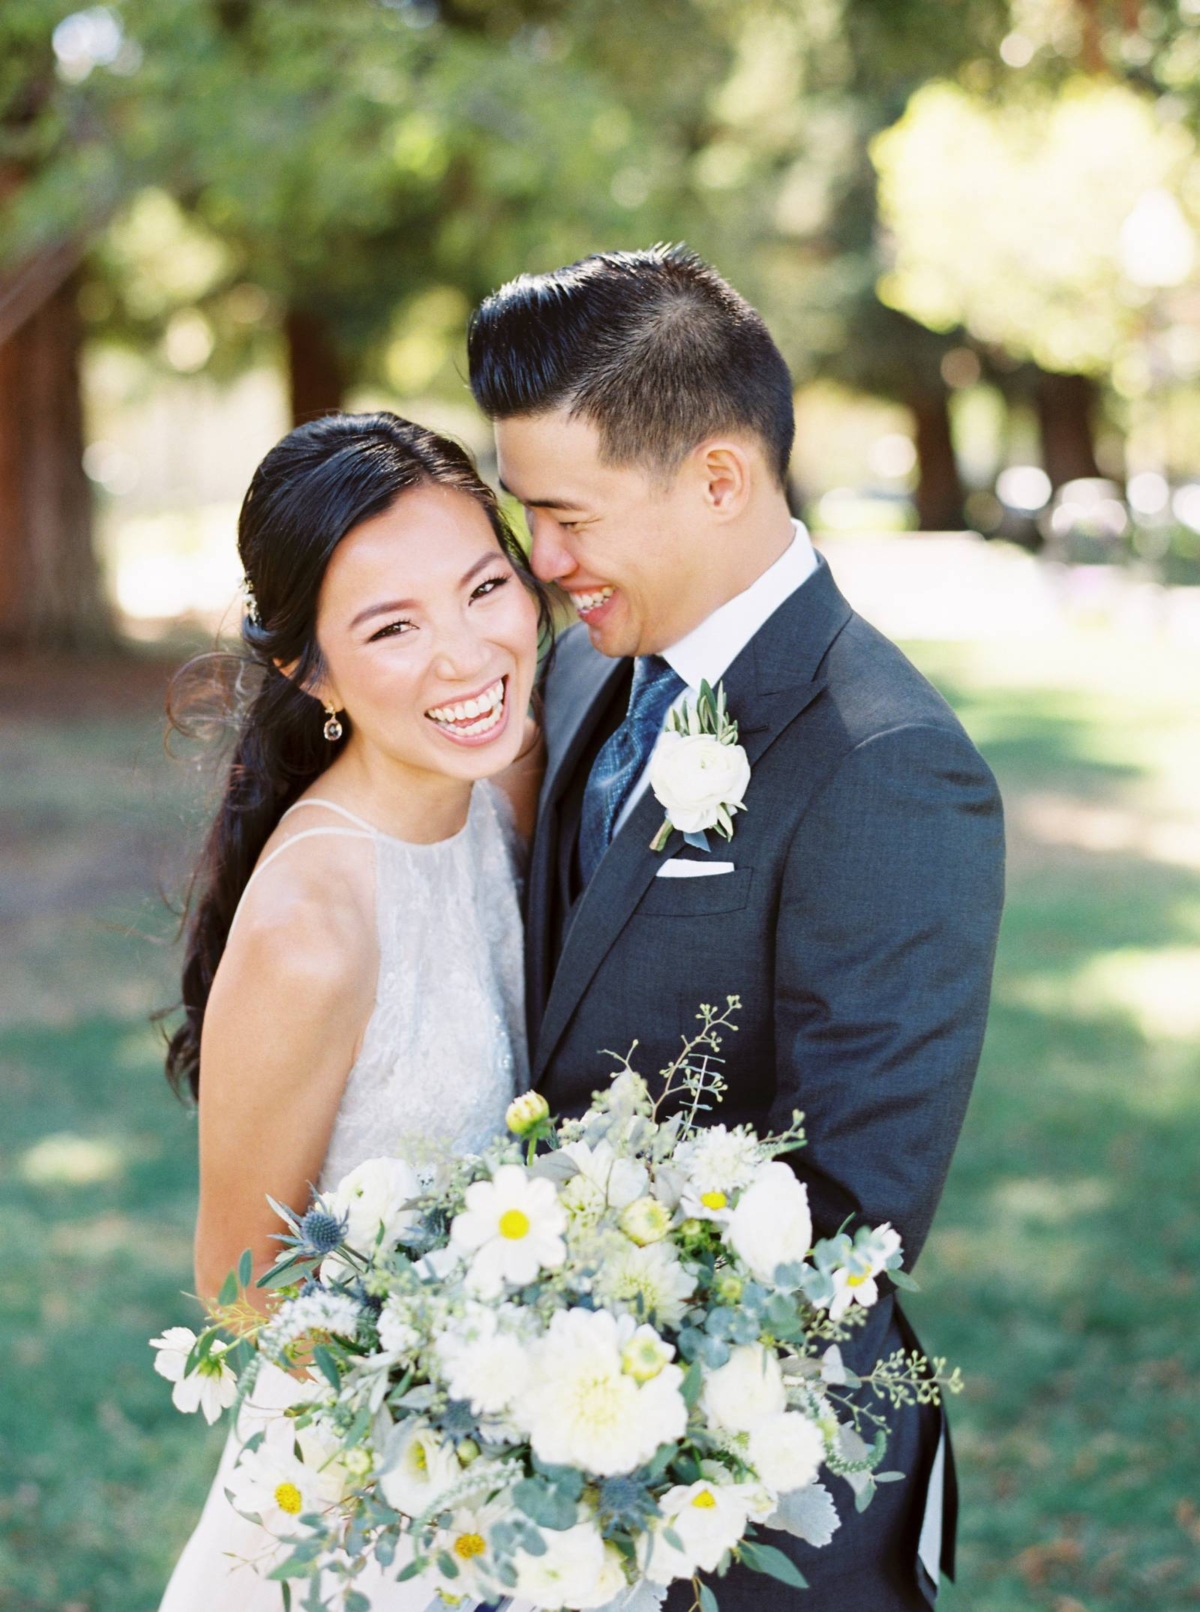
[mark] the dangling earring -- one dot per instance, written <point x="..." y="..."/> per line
<point x="333" y="728"/>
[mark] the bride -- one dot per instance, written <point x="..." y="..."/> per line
<point x="355" y="959"/>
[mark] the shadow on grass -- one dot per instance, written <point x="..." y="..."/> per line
<point x="1062" y="1271"/>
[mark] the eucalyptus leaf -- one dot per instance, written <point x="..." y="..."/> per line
<point x="229" y="1289"/>
<point x="767" y="1559"/>
<point x="903" y="1280"/>
<point x="708" y="1600"/>
<point x="245" y="1268"/>
<point x="327" y="1365"/>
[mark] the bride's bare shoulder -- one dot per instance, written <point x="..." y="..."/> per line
<point x="307" y="918"/>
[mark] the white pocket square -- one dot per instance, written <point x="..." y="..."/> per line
<point x="692" y="868"/>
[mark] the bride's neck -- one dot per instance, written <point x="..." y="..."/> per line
<point x="408" y="802"/>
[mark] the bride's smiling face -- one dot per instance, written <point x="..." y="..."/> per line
<point x="429" y="636"/>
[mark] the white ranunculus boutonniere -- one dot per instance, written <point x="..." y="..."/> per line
<point x="699" y="772"/>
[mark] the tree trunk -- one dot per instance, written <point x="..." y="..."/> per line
<point x="1064" y="407"/>
<point x="50" y="589"/>
<point x="316" y="372"/>
<point x="939" y="494"/>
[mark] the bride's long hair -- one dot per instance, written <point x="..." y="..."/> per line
<point x="323" y="479"/>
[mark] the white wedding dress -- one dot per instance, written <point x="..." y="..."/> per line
<point x="443" y="1054"/>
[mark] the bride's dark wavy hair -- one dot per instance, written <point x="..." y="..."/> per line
<point x="321" y="481"/>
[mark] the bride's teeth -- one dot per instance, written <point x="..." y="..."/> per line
<point x="475" y="716"/>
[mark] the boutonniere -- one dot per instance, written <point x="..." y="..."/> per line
<point x="699" y="772"/>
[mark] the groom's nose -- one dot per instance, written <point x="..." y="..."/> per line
<point x="549" y="558"/>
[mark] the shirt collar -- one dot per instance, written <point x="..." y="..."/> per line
<point x="706" y="653"/>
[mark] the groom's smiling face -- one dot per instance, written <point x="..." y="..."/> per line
<point x="633" y="550"/>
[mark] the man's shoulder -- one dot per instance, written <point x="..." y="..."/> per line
<point x="871" y="687"/>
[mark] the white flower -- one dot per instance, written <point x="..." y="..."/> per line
<point x="786" y="1450"/>
<point x="210" y="1388"/>
<point x="583" y="1409"/>
<point x="647" y="1283"/>
<point x="851" y="1287"/>
<point x="855" y="1283"/>
<point x="375" y="1198"/>
<point x="620" y="1181"/>
<point x="488" y="1366"/>
<point x="397" y="1335"/>
<point x="643" y="1352"/>
<point x="466" y="1541"/>
<point x="771" y="1224"/>
<point x="513" y="1224"/>
<point x="526" y="1112"/>
<point x="717" y="1159"/>
<point x="708" y="1517"/>
<point x="272" y="1483"/>
<point x="576" y="1570"/>
<point x="747" y="1388"/>
<point x="645" y="1221"/>
<point x="583" y="1201"/>
<point x="694" y="776"/>
<point x="417" y="1469"/>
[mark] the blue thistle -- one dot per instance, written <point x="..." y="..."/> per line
<point x="457" y="1420"/>
<point x="321" y="1232"/>
<point x="625" y="1502"/>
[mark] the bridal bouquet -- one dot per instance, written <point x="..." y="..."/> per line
<point x="598" y="1357"/>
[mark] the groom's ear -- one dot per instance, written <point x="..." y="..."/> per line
<point x="726" y="476"/>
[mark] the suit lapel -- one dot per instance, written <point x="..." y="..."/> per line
<point x="769" y="684"/>
<point x="576" y="700"/>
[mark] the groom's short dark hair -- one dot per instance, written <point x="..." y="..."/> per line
<point x="653" y="347"/>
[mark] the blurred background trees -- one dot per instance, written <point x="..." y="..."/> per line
<point x="981" y="216"/>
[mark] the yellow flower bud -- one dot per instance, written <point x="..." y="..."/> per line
<point x="526" y="1112"/>
<point x="645" y="1221"/>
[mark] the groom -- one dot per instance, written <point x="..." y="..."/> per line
<point x="644" y="419"/>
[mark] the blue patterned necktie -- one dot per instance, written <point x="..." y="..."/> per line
<point x="623" y="757"/>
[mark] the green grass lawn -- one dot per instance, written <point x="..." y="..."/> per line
<point x="1061" y="1273"/>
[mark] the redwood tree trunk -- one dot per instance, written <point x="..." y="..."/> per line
<point x="50" y="589"/>
<point x="939" y="494"/>
<point x="316" y="372"/>
<point x="1064" y="407"/>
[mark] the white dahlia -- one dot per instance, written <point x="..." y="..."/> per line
<point x="648" y="1283"/>
<point x="582" y="1408"/>
<point x="485" y="1363"/>
<point x="512" y="1226"/>
<point x="717" y="1159"/>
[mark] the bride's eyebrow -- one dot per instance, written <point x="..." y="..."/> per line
<point x="392" y="605"/>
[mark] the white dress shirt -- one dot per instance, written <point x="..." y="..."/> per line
<point x="709" y="650"/>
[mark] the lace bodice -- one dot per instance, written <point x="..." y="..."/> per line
<point x="444" y="1051"/>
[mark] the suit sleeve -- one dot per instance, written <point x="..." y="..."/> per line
<point x="889" y="911"/>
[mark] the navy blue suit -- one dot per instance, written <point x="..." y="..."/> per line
<point x="859" y="929"/>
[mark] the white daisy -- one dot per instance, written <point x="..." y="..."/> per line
<point x="210" y="1388"/>
<point x="513" y="1226"/>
